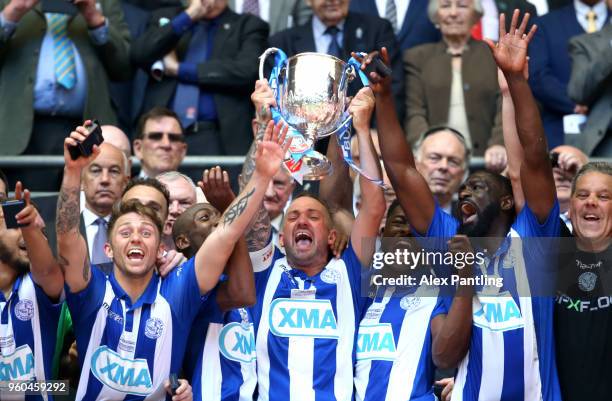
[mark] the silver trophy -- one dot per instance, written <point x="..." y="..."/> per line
<point x="310" y="91"/>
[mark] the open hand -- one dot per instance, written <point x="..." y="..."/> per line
<point x="271" y="149"/>
<point x="216" y="187"/>
<point x="510" y="53"/>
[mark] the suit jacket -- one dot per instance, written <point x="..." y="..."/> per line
<point x="416" y="29"/>
<point x="284" y="13"/>
<point x="549" y="68"/>
<point x="19" y="61"/>
<point x="362" y="33"/>
<point x="428" y="83"/>
<point x="229" y="74"/>
<point x="591" y="84"/>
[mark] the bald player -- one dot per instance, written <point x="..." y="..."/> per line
<point x="115" y="136"/>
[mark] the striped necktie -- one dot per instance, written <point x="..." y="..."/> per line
<point x="250" y="7"/>
<point x="334" y="47"/>
<point x="63" y="52"/>
<point x="391" y="14"/>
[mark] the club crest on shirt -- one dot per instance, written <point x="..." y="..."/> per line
<point x="409" y="302"/>
<point x="375" y="341"/>
<point x="237" y="343"/>
<point x="154" y="328"/>
<point x="129" y="376"/>
<point x="17" y="366"/>
<point x="24" y="310"/>
<point x="497" y="313"/>
<point x="302" y="318"/>
<point x="587" y="281"/>
<point x="330" y="275"/>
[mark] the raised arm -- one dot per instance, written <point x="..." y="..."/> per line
<point x="72" y="249"/>
<point x="373" y="205"/>
<point x="211" y="258"/>
<point x="337" y="188"/>
<point x="44" y="268"/>
<point x="510" y="54"/>
<point x="411" y="188"/>
<point x="239" y="288"/>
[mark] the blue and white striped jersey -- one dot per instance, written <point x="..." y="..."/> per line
<point x="28" y="330"/>
<point x="394" y="342"/>
<point x="305" y="328"/>
<point x="127" y="350"/>
<point x="220" y="359"/>
<point x="511" y="354"/>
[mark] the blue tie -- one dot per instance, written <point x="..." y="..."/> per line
<point x="334" y="46"/>
<point x="63" y="53"/>
<point x="97" y="251"/>
<point x="187" y="96"/>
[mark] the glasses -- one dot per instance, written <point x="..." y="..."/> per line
<point x="172" y="137"/>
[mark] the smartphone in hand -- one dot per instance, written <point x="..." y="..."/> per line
<point x="10" y="209"/>
<point x="85" y="148"/>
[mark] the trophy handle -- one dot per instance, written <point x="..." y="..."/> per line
<point x="347" y="121"/>
<point x="262" y="60"/>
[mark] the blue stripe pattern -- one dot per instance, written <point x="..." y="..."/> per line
<point x="63" y="51"/>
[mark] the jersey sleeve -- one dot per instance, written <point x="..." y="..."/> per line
<point x="441" y="307"/>
<point x="86" y="303"/>
<point x="262" y="262"/>
<point x="181" y="289"/>
<point x="442" y="224"/>
<point x="358" y="276"/>
<point x="526" y="223"/>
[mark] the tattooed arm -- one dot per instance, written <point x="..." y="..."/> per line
<point x="258" y="234"/>
<point x="72" y="249"/>
<point x="211" y="258"/>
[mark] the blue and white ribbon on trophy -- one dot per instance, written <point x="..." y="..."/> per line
<point x="299" y="146"/>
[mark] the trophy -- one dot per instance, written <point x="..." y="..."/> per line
<point x="310" y="90"/>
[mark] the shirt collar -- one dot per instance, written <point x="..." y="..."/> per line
<point x="582" y="9"/>
<point x="90" y="217"/>
<point x="276" y="222"/>
<point x="148" y="296"/>
<point x="318" y="27"/>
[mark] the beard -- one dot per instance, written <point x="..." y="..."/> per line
<point x="483" y="224"/>
<point x="9" y="258"/>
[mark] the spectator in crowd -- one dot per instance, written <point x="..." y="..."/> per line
<point x="454" y="82"/>
<point x="209" y="58"/>
<point x="160" y="142"/>
<point x="591" y="85"/>
<point x="566" y="161"/>
<point x="584" y="366"/>
<point x="550" y="65"/>
<point x="116" y="137"/>
<point x="545" y="6"/>
<point x="152" y="5"/>
<point x="408" y="19"/>
<point x="151" y="193"/>
<point x="103" y="182"/>
<point x="182" y="192"/>
<point x="4" y="185"/>
<point x="279" y="14"/>
<point x="442" y="158"/>
<point x="335" y="30"/>
<point x="59" y="60"/>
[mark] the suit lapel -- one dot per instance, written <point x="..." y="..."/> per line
<point x="223" y="32"/>
<point x="412" y="13"/>
<point x="354" y="37"/>
<point x="304" y="38"/>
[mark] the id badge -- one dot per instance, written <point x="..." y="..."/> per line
<point x="297" y="293"/>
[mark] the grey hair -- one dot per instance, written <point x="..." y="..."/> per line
<point x="592" y="167"/>
<point x="416" y="149"/>
<point x="175" y="175"/>
<point x="432" y="10"/>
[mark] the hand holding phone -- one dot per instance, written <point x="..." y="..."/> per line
<point x="378" y="66"/>
<point x="174" y="383"/>
<point x="85" y="148"/>
<point x="10" y="209"/>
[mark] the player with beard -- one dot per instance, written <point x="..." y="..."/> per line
<point x="31" y="283"/>
<point x="308" y="304"/>
<point x="513" y="357"/>
<point x="131" y="326"/>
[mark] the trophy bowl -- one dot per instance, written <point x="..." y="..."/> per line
<point x="311" y="97"/>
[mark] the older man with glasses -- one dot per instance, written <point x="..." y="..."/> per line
<point x="160" y="144"/>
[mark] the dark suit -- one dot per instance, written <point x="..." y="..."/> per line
<point x="591" y="84"/>
<point x="549" y="68"/>
<point x="361" y="33"/>
<point x="284" y="11"/>
<point x="428" y="82"/>
<point x="19" y="60"/>
<point x="229" y="74"/>
<point x="416" y="29"/>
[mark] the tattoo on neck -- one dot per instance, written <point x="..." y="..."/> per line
<point x="67" y="210"/>
<point x="237" y="208"/>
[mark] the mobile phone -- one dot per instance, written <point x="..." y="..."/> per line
<point x="85" y="148"/>
<point x="378" y="66"/>
<point x="174" y="383"/>
<point x="554" y="159"/>
<point x="10" y="209"/>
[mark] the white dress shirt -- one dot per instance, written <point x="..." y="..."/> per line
<point x="490" y="20"/>
<point x="600" y="9"/>
<point x="322" y="40"/>
<point x="91" y="228"/>
<point x="540" y="5"/>
<point x="400" y="5"/>
<point x="264" y="8"/>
